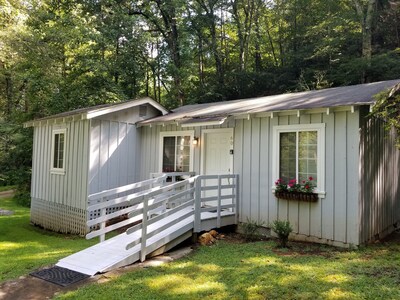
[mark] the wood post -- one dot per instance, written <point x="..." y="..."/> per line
<point x="103" y="212"/>
<point x="219" y="203"/>
<point x="197" y="205"/>
<point x="236" y="199"/>
<point x="144" y="230"/>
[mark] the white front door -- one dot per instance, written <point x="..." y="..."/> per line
<point x="217" y="158"/>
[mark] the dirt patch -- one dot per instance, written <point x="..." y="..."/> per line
<point x="7" y="194"/>
<point x="394" y="237"/>
<point x="304" y="249"/>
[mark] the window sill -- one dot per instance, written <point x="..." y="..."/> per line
<point x="57" y="171"/>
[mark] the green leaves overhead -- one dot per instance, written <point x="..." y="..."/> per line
<point x="61" y="55"/>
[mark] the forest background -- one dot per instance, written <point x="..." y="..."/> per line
<point x="62" y="55"/>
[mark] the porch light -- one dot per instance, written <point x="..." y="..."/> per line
<point x="195" y="141"/>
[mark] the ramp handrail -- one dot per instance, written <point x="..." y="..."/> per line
<point x="120" y="196"/>
<point x="182" y="199"/>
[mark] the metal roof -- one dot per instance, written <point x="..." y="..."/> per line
<point x="361" y="94"/>
<point x="99" y="110"/>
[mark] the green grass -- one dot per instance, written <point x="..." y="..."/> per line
<point x="7" y="188"/>
<point x="260" y="271"/>
<point x="24" y="248"/>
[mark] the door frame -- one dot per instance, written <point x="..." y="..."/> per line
<point x="203" y="142"/>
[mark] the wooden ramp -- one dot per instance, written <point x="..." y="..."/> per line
<point x="183" y="211"/>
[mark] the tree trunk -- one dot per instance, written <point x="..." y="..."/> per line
<point x="366" y="15"/>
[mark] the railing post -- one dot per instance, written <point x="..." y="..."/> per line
<point x="103" y="212"/>
<point x="236" y="198"/>
<point x="219" y="203"/>
<point x="144" y="230"/>
<point x="197" y="205"/>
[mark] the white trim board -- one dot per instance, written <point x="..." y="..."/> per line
<point x="320" y="128"/>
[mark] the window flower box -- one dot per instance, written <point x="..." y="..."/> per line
<point x="297" y="196"/>
<point x="303" y="191"/>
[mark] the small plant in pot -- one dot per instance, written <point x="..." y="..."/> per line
<point x="282" y="229"/>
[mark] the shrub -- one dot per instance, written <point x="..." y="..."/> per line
<point x="282" y="229"/>
<point x="23" y="197"/>
<point x="250" y="229"/>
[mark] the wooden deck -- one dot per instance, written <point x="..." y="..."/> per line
<point x="155" y="233"/>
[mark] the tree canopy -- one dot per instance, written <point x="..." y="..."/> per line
<point x="61" y="55"/>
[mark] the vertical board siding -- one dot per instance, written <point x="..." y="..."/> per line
<point x="273" y="204"/>
<point x="246" y="172"/>
<point x="379" y="180"/>
<point x="112" y="155"/>
<point x="68" y="189"/>
<point x="353" y="190"/>
<point x="328" y="204"/>
<point x="238" y="158"/>
<point x="340" y="179"/>
<point x="264" y="164"/>
<point x="333" y="218"/>
<point x="59" y="200"/>
<point x="316" y="209"/>
<point x="255" y="169"/>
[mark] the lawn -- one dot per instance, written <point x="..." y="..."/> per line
<point x="7" y="188"/>
<point x="230" y="269"/>
<point x="24" y="248"/>
<point x="259" y="270"/>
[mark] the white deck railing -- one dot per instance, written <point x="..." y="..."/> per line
<point x="165" y="205"/>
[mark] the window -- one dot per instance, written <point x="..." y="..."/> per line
<point x="58" y="150"/>
<point x="176" y="151"/>
<point x="299" y="153"/>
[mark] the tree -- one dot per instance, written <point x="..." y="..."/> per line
<point x="387" y="108"/>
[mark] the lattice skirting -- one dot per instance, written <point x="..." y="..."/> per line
<point x="58" y="217"/>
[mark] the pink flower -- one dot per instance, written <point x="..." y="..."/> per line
<point x="310" y="178"/>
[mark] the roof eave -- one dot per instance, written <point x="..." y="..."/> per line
<point x="90" y="114"/>
<point x="259" y="114"/>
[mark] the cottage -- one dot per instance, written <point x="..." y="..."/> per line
<point x="323" y="134"/>
<point x="82" y="152"/>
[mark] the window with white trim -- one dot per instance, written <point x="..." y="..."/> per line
<point x="300" y="153"/>
<point x="176" y="151"/>
<point x="58" y="151"/>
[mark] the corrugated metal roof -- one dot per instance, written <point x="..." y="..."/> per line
<point x="99" y="110"/>
<point x="361" y="94"/>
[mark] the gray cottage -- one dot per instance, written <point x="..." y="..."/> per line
<point x="325" y="134"/>
<point x="82" y="152"/>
